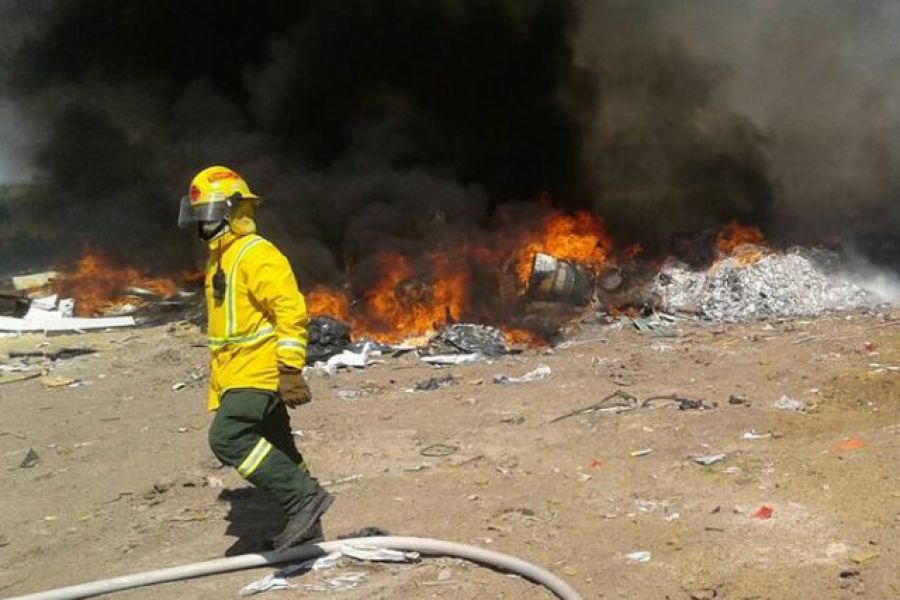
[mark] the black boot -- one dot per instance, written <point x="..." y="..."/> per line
<point x="304" y="524"/>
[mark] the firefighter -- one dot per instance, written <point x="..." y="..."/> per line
<point x="257" y="338"/>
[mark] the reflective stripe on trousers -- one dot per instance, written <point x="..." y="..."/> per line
<point x="255" y="458"/>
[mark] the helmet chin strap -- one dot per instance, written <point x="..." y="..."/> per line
<point x="207" y="232"/>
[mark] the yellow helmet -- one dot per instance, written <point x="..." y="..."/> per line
<point x="214" y="193"/>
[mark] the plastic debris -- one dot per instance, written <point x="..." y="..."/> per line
<point x="754" y="435"/>
<point x="50" y="307"/>
<point x="60" y="324"/>
<point x="880" y="368"/>
<point x="213" y="482"/>
<point x="468" y="338"/>
<point x="641" y="452"/>
<point x="436" y="383"/>
<point x="453" y="359"/>
<point x="652" y="325"/>
<point x="279" y="579"/>
<point x="23" y="283"/>
<point x="177" y="387"/>
<point x="763" y="512"/>
<point x="639" y="556"/>
<point x="348" y="358"/>
<point x="12" y="305"/>
<point x="541" y="372"/>
<point x="53" y="314"/>
<point x="788" y="403"/>
<point x="57" y="381"/>
<point x="340" y="480"/>
<point x="852" y="444"/>
<point x="709" y="459"/>
<point x="31" y="459"/>
<point x="327" y="337"/>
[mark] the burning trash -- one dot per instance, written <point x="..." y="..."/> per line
<point x="102" y="287"/>
<point x="327" y="337"/>
<point x="95" y="294"/>
<point x="561" y="280"/>
<point x="468" y="338"/>
<point x="754" y="283"/>
<point x="503" y="282"/>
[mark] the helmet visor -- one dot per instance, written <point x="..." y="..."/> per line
<point x="189" y="213"/>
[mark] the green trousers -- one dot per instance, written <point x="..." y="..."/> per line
<point x="252" y="433"/>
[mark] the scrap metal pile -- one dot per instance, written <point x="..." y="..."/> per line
<point x="754" y="283"/>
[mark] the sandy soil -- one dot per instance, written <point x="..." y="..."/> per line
<point x="126" y="482"/>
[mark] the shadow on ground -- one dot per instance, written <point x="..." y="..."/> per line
<point x="253" y="518"/>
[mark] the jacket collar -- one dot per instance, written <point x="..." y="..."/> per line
<point x="223" y="242"/>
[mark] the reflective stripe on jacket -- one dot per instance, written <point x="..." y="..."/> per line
<point x="260" y="322"/>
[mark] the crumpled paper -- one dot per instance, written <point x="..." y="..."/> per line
<point x="541" y="372"/>
<point x="347" y="358"/>
<point x="279" y="580"/>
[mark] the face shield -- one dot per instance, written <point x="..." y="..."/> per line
<point x="189" y="213"/>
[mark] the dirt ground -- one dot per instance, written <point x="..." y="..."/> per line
<point x="125" y="481"/>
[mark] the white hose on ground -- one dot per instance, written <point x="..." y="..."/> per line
<point x="426" y="546"/>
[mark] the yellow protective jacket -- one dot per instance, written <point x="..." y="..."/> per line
<point x="261" y="321"/>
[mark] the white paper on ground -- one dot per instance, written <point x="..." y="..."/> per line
<point x="541" y="372"/>
<point x="59" y="324"/>
<point x="452" y="359"/>
<point x="348" y="358"/>
<point x="279" y="579"/>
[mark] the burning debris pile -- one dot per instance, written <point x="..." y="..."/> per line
<point x="95" y="293"/>
<point x="526" y="281"/>
<point x="569" y="266"/>
<point x="101" y="287"/>
<point x="480" y="295"/>
<point x="754" y="283"/>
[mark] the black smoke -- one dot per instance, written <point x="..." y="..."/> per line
<point x="358" y="120"/>
<point x="364" y="122"/>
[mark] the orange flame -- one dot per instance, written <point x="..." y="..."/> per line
<point x="97" y="283"/>
<point x="323" y="301"/>
<point x="523" y="338"/>
<point x="733" y="234"/>
<point x="580" y="237"/>
<point x="410" y="298"/>
<point x="405" y="303"/>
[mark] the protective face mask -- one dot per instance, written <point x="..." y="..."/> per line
<point x="210" y="230"/>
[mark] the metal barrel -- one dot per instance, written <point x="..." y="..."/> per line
<point x="553" y="279"/>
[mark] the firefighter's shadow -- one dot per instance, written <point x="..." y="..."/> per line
<point x="254" y="518"/>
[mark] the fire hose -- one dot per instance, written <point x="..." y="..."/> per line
<point x="431" y="547"/>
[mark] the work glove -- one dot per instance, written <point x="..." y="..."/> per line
<point x="292" y="388"/>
